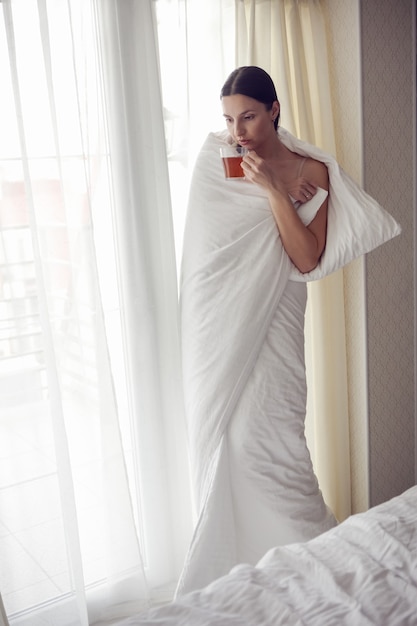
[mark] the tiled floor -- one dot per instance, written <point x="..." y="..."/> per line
<point x="33" y="556"/>
<point x="31" y="544"/>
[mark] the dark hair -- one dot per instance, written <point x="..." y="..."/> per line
<point x="253" y="82"/>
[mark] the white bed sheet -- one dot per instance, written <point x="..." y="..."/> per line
<point x="362" y="572"/>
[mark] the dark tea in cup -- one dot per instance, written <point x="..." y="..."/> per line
<point x="232" y="158"/>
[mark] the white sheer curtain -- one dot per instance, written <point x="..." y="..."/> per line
<point x="147" y="279"/>
<point x="288" y="39"/>
<point x="94" y="509"/>
<point x="95" y="512"/>
<point x="197" y="52"/>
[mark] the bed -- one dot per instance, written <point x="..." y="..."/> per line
<point x="362" y="572"/>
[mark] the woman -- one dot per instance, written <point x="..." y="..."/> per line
<point x="249" y="247"/>
<point x="252" y="120"/>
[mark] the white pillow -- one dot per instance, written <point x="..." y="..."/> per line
<point x="356" y="223"/>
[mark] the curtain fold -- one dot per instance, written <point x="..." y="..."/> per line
<point x="147" y="278"/>
<point x="288" y="39"/>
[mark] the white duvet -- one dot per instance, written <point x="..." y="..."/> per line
<point x="244" y="377"/>
<point x="242" y="311"/>
<point x="360" y="573"/>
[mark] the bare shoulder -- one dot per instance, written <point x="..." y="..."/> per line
<point x="317" y="173"/>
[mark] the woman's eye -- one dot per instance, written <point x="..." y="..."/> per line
<point x="248" y="117"/>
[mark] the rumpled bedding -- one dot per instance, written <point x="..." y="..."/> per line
<point x="360" y="573"/>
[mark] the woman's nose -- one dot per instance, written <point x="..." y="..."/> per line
<point x="239" y="130"/>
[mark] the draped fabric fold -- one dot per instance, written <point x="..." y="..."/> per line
<point x="220" y="269"/>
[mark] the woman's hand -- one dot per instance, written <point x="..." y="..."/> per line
<point x="259" y="171"/>
<point x="301" y="189"/>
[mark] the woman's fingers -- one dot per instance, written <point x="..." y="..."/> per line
<point x="308" y="191"/>
<point x="301" y="189"/>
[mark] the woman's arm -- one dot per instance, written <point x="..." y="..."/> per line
<point x="303" y="244"/>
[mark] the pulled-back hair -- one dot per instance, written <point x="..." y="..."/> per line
<point x="253" y="82"/>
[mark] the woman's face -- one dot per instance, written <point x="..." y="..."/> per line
<point x="248" y="120"/>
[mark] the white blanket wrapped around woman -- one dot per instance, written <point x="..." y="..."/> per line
<point x="242" y="307"/>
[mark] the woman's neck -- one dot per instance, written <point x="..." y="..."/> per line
<point x="274" y="149"/>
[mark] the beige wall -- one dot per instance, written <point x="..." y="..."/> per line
<point x="388" y="71"/>
<point x="372" y="76"/>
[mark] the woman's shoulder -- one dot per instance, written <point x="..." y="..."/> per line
<point x="316" y="171"/>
